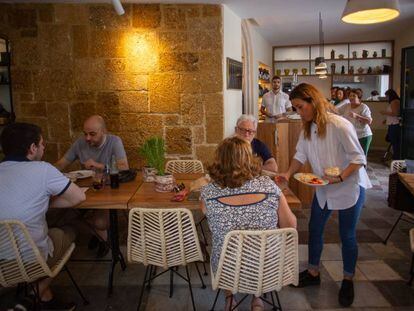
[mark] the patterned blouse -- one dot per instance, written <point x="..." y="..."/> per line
<point x="223" y="218"/>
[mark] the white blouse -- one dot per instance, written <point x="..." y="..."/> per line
<point x="362" y="129"/>
<point x="276" y="103"/>
<point x="339" y="147"/>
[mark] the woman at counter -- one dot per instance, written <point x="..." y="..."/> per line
<point x="359" y="115"/>
<point x="392" y="115"/>
<point x="238" y="198"/>
<point x="328" y="140"/>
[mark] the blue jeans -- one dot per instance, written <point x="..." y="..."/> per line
<point x="348" y="219"/>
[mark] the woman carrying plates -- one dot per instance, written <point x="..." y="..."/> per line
<point x="329" y="143"/>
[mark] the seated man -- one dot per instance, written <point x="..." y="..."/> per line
<point x="246" y="127"/>
<point x="94" y="151"/>
<point x="27" y="187"/>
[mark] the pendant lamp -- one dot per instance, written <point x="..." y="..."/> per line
<point x="118" y="7"/>
<point x="320" y="65"/>
<point x="370" y="11"/>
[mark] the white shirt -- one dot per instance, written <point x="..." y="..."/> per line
<point x="275" y="103"/>
<point x="339" y="147"/>
<point x="341" y="103"/>
<point x="25" y="191"/>
<point x="362" y="129"/>
<point x="391" y="120"/>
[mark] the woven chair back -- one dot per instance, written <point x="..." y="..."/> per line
<point x="162" y="237"/>
<point x="397" y="166"/>
<point x="184" y="167"/>
<point x="20" y="259"/>
<point x="257" y="262"/>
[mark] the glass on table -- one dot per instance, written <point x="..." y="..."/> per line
<point x="98" y="181"/>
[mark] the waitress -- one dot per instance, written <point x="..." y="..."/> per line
<point x="328" y="140"/>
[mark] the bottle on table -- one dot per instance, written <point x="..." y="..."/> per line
<point x="114" y="174"/>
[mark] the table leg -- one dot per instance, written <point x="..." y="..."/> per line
<point x="115" y="251"/>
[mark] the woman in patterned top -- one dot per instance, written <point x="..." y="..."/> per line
<point x="238" y="198"/>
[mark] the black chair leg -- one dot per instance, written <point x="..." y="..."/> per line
<point x="85" y="301"/>
<point x="147" y="270"/>
<point x="215" y="300"/>
<point x="199" y="275"/>
<point x="171" y="282"/>
<point x="200" y="223"/>
<point x="392" y="229"/>
<point x="410" y="282"/>
<point x="278" y="301"/>
<point x="189" y="286"/>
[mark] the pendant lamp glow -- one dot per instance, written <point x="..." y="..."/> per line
<point x="118" y="7"/>
<point x="370" y="11"/>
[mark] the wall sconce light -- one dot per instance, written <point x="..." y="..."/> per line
<point x="118" y="7"/>
<point x="370" y="11"/>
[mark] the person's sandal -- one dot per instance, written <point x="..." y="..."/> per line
<point x="233" y="304"/>
<point x="257" y="304"/>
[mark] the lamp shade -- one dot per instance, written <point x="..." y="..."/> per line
<point x="370" y="11"/>
<point x="118" y="7"/>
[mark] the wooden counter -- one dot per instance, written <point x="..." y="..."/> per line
<point x="281" y="138"/>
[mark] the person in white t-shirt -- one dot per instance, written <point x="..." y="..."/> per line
<point x="275" y="103"/>
<point x="330" y="141"/>
<point x="359" y="115"/>
<point x="28" y="187"/>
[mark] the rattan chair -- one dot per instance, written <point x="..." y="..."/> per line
<point x="410" y="282"/>
<point x="256" y="263"/>
<point x="395" y="167"/>
<point x="190" y="167"/>
<point x="21" y="261"/>
<point x="165" y="238"/>
<point x="184" y="167"/>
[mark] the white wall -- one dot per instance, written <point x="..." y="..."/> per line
<point x="262" y="52"/>
<point x="405" y="38"/>
<point x="232" y="47"/>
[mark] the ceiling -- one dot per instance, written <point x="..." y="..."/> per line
<point x="284" y="22"/>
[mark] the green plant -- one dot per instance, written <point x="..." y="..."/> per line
<point x="153" y="151"/>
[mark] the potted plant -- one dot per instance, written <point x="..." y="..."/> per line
<point x="153" y="150"/>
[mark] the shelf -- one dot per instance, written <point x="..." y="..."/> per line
<point x="330" y="59"/>
<point x="338" y="74"/>
<point x="292" y="61"/>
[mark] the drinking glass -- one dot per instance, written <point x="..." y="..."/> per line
<point x="98" y="179"/>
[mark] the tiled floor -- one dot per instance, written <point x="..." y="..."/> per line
<point x="380" y="281"/>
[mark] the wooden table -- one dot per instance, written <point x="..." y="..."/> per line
<point x="408" y="181"/>
<point x="112" y="200"/>
<point x="146" y="196"/>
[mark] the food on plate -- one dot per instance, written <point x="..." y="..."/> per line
<point x="311" y="179"/>
<point x="332" y="171"/>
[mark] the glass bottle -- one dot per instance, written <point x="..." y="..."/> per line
<point x="114" y="174"/>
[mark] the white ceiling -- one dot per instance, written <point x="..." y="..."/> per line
<point x="284" y="22"/>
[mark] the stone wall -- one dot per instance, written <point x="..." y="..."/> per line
<point x="157" y="70"/>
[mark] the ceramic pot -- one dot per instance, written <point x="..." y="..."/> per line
<point x="164" y="183"/>
<point x="286" y="71"/>
<point x="148" y="174"/>
<point x="278" y="72"/>
<point x="304" y="71"/>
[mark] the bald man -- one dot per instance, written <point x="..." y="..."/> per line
<point x="96" y="148"/>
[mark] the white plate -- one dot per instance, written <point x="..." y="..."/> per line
<point x="298" y="177"/>
<point x="82" y="174"/>
<point x="293" y="116"/>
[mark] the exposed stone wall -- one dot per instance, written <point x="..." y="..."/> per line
<point x="157" y="70"/>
